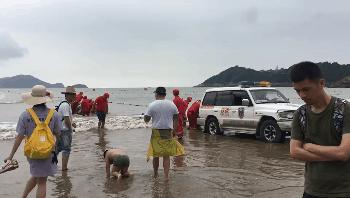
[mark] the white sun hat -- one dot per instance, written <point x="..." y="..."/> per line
<point x="38" y="95"/>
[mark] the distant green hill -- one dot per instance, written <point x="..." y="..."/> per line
<point x="335" y="74"/>
<point x="28" y="81"/>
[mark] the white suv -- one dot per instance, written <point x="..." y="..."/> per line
<point x="262" y="111"/>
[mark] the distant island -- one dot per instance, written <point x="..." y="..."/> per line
<point x="336" y="75"/>
<point x="28" y="81"/>
<point x="80" y="86"/>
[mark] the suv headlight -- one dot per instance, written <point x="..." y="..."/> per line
<point x="286" y="115"/>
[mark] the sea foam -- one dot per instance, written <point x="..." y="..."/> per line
<point x="8" y="129"/>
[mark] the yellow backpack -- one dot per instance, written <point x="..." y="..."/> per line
<point x="42" y="142"/>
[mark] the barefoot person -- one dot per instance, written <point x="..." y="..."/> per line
<point x="101" y="107"/>
<point x="119" y="160"/>
<point x="64" y="141"/>
<point x="38" y="115"/>
<point x="164" y="117"/>
<point x="320" y="135"/>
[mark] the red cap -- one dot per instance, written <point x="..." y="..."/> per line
<point x="176" y="92"/>
<point x="189" y="99"/>
<point x="106" y="95"/>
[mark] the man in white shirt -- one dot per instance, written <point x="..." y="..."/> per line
<point x="164" y="115"/>
<point x="64" y="141"/>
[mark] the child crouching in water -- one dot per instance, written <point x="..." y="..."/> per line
<point x="119" y="160"/>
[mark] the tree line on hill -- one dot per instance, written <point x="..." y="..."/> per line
<point x="336" y="75"/>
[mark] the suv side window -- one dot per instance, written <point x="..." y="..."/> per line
<point x="224" y="98"/>
<point x="239" y="96"/>
<point x="209" y="99"/>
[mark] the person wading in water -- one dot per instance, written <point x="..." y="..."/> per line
<point x="164" y="117"/>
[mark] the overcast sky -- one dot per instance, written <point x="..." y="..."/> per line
<point x="140" y="43"/>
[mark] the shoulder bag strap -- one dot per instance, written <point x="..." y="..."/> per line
<point x="49" y="116"/>
<point x="34" y="116"/>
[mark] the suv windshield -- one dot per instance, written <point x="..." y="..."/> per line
<point x="268" y="96"/>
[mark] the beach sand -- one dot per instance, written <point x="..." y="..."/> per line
<point x="214" y="166"/>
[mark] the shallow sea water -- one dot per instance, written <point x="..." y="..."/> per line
<point x="214" y="166"/>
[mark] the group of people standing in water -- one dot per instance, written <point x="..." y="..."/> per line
<point x="82" y="105"/>
<point x="185" y="113"/>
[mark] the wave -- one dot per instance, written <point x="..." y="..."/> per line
<point x="136" y="105"/>
<point x="10" y="102"/>
<point x="2" y="95"/>
<point x="8" y="129"/>
<point x="112" y="123"/>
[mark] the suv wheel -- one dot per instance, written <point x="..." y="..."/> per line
<point x="213" y="127"/>
<point x="271" y="132"/>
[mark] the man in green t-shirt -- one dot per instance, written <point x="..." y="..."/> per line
<point x="325" y="152"/>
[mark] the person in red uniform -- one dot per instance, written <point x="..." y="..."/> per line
<point x="85" y="106"/>
<point x="180" y="104"/>
<point x="79" y="97"/>
<point x="76" y="103"/>
<point x="192" y="114"/>
<point x="91" y="103"/>
<point x="101" y="106"/>
<point x="186" y="102"/>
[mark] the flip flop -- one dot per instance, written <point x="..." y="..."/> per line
<point x="9" y="166"/>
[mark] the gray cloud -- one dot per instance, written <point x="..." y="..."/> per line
<point x="251" y="15"/>
<point x="9" y="48"/>
<point x="178" y="43"/>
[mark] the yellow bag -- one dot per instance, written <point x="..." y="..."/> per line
<point x="42" y="142"/>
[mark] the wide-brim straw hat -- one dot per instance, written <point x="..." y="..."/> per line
<point x="69" y="90"/>
<point x="39" y="95"/>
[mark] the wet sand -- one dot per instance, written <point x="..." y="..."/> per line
<point x="214" y="166"/>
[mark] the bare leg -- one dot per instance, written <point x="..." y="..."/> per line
<point x="41" y="191"/>
<point x="29" y="187"/>
<point x="65" y="158"/>
<point x="166" y="166"/>
<point x="155" y="166"/>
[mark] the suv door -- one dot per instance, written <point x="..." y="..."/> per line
<point x="208" y="106"/>
<point x="223" y="103"/>
<point x="243" y="116"/>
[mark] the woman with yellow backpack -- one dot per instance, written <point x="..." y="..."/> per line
<point x="38" y="126"/>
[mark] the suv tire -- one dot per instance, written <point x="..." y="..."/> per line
<point x="271" y="132"/>
<point x="212" y="127"/>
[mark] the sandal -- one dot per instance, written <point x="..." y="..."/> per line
<point x="9" y="166"/>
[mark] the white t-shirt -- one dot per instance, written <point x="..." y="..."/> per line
<point x="64" y="111"/>
<point x="162" y="112"/>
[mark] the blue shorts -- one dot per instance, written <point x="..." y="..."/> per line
<point x="101" y="116"/>
<point x="64" y="142"/>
